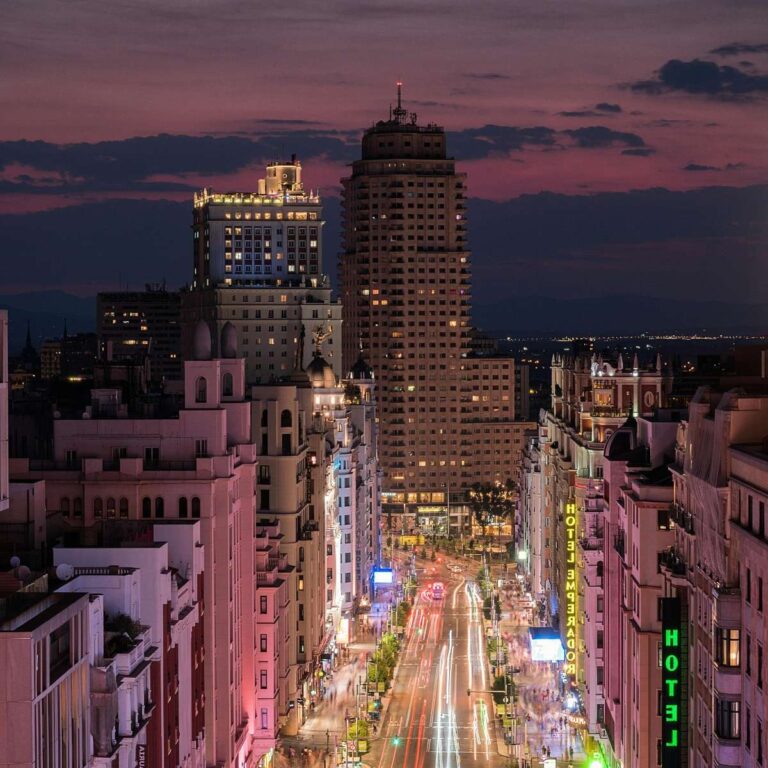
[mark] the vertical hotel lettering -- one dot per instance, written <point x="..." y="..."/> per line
<point x="673" y="710"/>
<point x="571" y="593"/>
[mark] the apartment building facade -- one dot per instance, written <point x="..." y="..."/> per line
<point x="141" y="327"/>
<point x="592" y="397"/>
<point x="714" y="572"/>
<point x="45" y="696"/>
<point x="112" y="470"/>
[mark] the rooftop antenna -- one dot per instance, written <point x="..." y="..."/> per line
<point x="399" y="112"/>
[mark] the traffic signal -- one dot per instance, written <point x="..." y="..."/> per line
<point x="395" y="741"/>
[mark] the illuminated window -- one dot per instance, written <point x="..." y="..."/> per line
<point x="728" y="643"/>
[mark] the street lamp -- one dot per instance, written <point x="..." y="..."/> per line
<point x="346" y="738"/>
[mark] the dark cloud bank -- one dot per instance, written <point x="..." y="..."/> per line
<point x="649" y="243"/>
<point x="132" y="164"/>
<point x="705" y="78"/>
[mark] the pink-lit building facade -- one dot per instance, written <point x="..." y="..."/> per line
<point x="156" y="681"/>
<point x="637" y="529"/>
<point x="113" y="473"/>
<point x="716" y="568"/>
<point x="562" y="526"/>
<point x="567" y="539"/>
<point x="45" y="696"/>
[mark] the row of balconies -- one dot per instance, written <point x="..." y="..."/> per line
<point x="682" y="518"/>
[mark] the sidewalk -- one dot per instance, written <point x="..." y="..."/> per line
<point x="326" y="725"/>
<point x="545" y="728"/>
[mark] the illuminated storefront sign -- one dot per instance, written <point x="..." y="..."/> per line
<point x="571" y="590"/>
<point x="673" y="649"/>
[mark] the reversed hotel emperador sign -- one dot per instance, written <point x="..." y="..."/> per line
<point x="571" y="590"/>
<point x="674" y="648"/>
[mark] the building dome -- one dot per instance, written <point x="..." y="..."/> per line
<point x="228" y="340"/>
<point x="201" y="348"/>
<point x="320" y="373"/>
<point x="361" y="369"/>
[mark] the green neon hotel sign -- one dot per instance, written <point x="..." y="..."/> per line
<point x="673" y="705"/>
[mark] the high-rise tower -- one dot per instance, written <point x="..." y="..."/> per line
<point x="258" y="265"/>
<point x="269" y="237"/>
<point x="405" y="295"/>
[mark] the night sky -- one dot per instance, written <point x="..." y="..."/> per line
<point x="612" y="146"/>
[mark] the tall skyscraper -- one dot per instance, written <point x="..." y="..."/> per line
<point x="272" y="236"/>
<point x="405" y="294"/>
<point x="258" y="266"/>
<point x="446" y="413"/>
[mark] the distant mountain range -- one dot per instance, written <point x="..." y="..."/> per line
<point x="46" y="312"/>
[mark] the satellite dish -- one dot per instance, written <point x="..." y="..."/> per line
<point x="23" y="573"/>
<point x="64" y="571"/>
<point x="15" y="561"/>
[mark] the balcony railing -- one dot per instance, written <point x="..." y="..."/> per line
<point x="673" y="561"/>
<point x="618" y="543"/>
<point x="682" y="518"/>
<point x="591" y="543"/>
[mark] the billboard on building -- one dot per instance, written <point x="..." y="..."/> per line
<point x="383" y="577"/>
<point x="546" y="644"/>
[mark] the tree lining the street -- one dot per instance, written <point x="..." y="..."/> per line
<point x="492" y="502"/>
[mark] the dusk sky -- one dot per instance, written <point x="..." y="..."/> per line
<point x="132" y="100"/>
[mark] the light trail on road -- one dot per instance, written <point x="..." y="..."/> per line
<point x="432" y="723"/>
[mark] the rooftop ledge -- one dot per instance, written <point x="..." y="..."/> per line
<point x="252" y="198"/>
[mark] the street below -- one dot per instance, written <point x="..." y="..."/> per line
<point x="433" y="721"/>
<point x="439" y="711"/>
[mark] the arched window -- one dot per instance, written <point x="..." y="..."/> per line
<point x="201" y="390"/>
<point x="111" y="507"/>
<point x="98" y="507"/>
<point x="195" y="507"/>
<point x="226" y="385"/>
<point x="286" y="420"/>
<point x="264" y="417"/>
<point x="183" y="506"/>
<point x="77" y="507"/>
<point x="146" y="507"/>
<point x="159" y="507"/>
<point x="123" y="507"/>
<point x="64" y="506"/>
